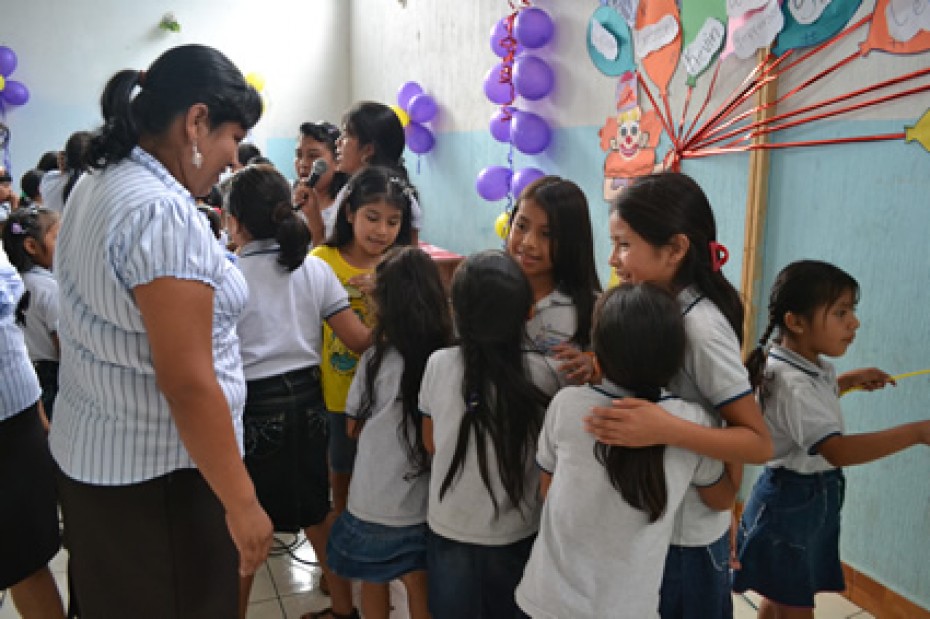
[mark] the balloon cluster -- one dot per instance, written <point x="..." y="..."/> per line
<point x="522" y="73"/>
<point x="11" y="91"/>
<point x="415" y="108"/>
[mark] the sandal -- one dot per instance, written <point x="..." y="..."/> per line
<point x="328" y="613"/>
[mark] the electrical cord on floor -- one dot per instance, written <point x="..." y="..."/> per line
<point x="281" y="547"/>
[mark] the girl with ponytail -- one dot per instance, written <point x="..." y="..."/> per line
<point x="602" y="541"/>
<point x="280" y="333"/>
<point x="663" y="232"/>
<point x="484" y="402"/>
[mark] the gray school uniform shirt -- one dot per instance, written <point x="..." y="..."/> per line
<point x="466" y="513"/>
<point x="41" y="315"/>
<point x="712" y="375"/>
<point x="385" y="489"/>
<point x="801" y="404"/>
<point x="596" y="555"/>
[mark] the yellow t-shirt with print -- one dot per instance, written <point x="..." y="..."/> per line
<point x="338" y="362"/>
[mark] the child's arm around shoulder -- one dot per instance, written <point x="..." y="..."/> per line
<point x="721" y="494"/>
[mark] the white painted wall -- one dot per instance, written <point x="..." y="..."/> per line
<point x="68" y="50"/>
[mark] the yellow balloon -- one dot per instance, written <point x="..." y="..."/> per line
<point x="256" y="81"/>
<point x="614" y="279"/>
<point x="402" y="115"/>
<point x="2" y="82"/>
<point x="919" y="132"/>
<point x="502" y="225"/>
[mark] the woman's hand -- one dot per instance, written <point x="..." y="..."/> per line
<point x="577" y="365"/>
<point x="252" y="533"/>
<point x="306" y="199"/>
<point x="631" y="422"/>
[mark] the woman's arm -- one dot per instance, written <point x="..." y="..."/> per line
<point x="349" y="328"/>
<point x="632" y="422"/>
<point x="178" y="317"/>
<point x="853" y="449"/>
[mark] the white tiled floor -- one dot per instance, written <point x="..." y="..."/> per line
<point x="285" y="588"/>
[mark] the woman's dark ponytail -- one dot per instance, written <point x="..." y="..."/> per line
<point x="119" y="134"/>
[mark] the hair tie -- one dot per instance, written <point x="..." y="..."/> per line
<point x="471" y="404"/>
<point x="140" y="79"/>
<point x="718" y="256"/>
<point x="16" y="228"/>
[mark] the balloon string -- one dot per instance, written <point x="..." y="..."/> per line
<point x="740" y="117"/>
<point x="655" y="107"/>
<point x="759" y="128"/>
<point x="710" y="152"/>
<point x="702" y="133"/>
<point x="744" y="91"/>
<point x="710" y="90"/>
<point x="684" y="113"/>
<point x="509" y="43"/>
<point x="894" y="378"/>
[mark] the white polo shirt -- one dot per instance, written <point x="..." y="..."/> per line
<point x="281" y="327"/>
<point x="52" y="188"/>
<point x="597" y="556"/>
<point x="801" y="404"/>
<point x="466" y="513"/>
<point x="712" y="375"/>
<point x="554" y="321"/>
<point x="384" y="489"/>
<point x="41" y="315"/>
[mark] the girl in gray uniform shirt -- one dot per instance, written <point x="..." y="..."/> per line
<point x="381" y="535"/>
<point x="484" y="402"/>
<point x="789" y="533"/>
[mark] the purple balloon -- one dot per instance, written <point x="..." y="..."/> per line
<point x="7" y="61"/>
<point x="494" y="90"/>
<point x="529" y="133"/>
<point x="419" y="139"/>
<point x="532" y="77"/>
<point x="407" y="92"/>
<point x="15" y="93"/>
<point x="500" y="126"/>
<point x="493" y="183"/>
<point x="522" y="178"/>
<point x="422" y="108"/>
<point x="533" y="27"/>
<point x="498" y="34"/>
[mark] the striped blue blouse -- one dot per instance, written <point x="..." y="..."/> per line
<point x="126" y="226"/>
<point x="19" y="387"/>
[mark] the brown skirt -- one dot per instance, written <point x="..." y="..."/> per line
<point x="158" y="548"/>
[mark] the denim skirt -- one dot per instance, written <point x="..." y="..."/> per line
<point x="375" y="552"/>
<point x="789" y="536"/>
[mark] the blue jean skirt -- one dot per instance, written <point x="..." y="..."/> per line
<point x="788" y="540"/>
<point x="375" y="552"/>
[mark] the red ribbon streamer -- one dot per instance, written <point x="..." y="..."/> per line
<point x="709" y="152"/>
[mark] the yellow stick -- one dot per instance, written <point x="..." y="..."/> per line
<point x="894" y="378"/>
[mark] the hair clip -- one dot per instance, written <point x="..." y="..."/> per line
<point x="16" y="228"/>
<point x="718" y="256"/>
<point x="471" y="404"/>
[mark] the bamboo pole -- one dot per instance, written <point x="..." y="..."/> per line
<point x="756" y="205"/>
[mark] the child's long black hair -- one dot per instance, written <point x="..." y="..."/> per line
<point x="800" y="288"/>
<point x="260" y="199"/>
<point x="659" y="206"/>
<point x="572" y="245"/>
<point x="639" y="341"/>
<point x="491" y="299"/>
<point x="412" y="316"/>
<point x="373" y="184"/>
